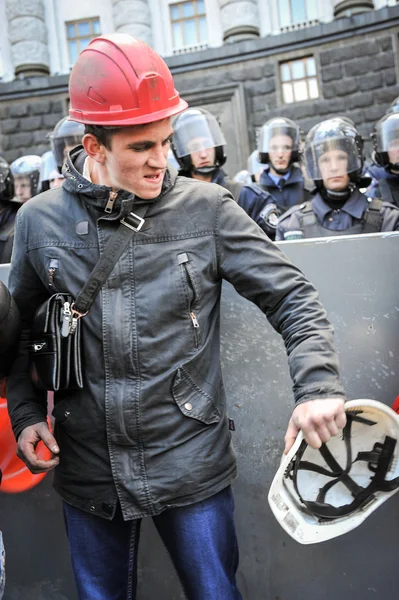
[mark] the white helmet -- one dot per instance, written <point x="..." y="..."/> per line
<point x="320" y="494"/>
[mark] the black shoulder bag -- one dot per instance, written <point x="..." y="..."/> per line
<point x="56" y="338"/>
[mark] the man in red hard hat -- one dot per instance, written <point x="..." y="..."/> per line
<point x="148" y="435"/>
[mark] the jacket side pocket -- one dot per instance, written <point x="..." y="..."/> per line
<point x="192" y="399"/>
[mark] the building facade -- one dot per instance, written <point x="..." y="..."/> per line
<point x="245" y="60"/>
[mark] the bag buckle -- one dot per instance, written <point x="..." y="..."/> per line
<point x="136" y="224"/>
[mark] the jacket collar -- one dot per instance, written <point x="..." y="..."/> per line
<point x="355" y="206"/>
<point x="97" y="196"/>
<point x="219" y="177"/>
<point x="294" y="177"/>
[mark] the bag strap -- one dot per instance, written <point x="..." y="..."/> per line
<point x="112" y="252"/>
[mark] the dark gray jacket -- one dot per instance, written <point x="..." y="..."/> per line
<point x="150" y="425"/>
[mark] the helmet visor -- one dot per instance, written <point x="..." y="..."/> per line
<point x="332" y="157"/>
<point x="387" y="137"/>
<point x="196" y="131"/>
<point x="279" y="137"/>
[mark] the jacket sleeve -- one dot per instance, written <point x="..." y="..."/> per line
<point x="26" y="404"/>
<point x="262" y="273"/>
<point x="390" y="217"/>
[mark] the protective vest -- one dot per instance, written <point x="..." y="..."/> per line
<point x="388" y="193"/>
<point x="371" y="222"/>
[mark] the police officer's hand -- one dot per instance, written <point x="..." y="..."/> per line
<point x="27" y="442"/>
<point x="319" y="420"/>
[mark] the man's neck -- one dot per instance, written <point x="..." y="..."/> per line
<point x="98" y="173"/>
<point x="274" y="172"/>
<point x="201" y="177"/>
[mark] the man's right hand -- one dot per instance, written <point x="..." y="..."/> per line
<point x="27" y="442"/>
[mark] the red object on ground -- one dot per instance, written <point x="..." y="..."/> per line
<point x="395" y="405"/>
<point x="16" y="475"/>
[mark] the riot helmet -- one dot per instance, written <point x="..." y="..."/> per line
<point x="66" y="135"/>
<point x="6" y="181"/>
<point x="394" y="107"/>
<point x="333" y="149"/>
<point x="26" y="171"/>
<point x="253" y="164"/>
<point x="196" y="130"/>
<point x="386" y="141"/>
<point x="48" y="165"/>
<point x="172" y="160"/>
<point x="277" y="138"/>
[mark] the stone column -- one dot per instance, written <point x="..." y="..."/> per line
<point x="27" y="34"/>
<point x="240" y="19"/>
<point x="134" y="17"/>
<point x="347" y="8"/>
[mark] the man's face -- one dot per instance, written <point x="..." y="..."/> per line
<point x="22" y="188"/>
<point x="393" y="151"/>
<point x="280" y="150"/>
<point x="333" y="166"/>
<point x="203" y="157"/>
<point x="137" y="159"/>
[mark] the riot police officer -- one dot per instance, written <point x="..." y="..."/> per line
<point x="281" y="183"/>
<point x="199" y="148"/>
<point x="386" y="156"/>
<point x="8" y="211"/>
<point x="65" y="136"/>
<point x="26" y="171"/>
<point x="334" y="161"/>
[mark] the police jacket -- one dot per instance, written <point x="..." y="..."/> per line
<point x="260" y="206"/>
<point x="387" y="188"/>
<point x="149" y="427"/>
<point x="359" y="214"/>
<point x="292" y="191"/>
<point x="220" y="177"/>
<point x="7" y="219"/>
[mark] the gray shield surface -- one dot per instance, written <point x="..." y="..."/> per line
<point x="358" y="281"/>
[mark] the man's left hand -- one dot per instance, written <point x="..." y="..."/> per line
<point x="319" y="420"/>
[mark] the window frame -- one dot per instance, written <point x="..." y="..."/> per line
<point x="77" y="38"/>
<point x="292" y="80"/>
<point x="196" y="16"/>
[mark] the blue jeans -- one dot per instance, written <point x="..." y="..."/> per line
<point x="200" y="539"/>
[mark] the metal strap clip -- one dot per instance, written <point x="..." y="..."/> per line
<point x="137" y="224"/>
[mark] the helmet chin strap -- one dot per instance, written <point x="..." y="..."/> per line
<point x="338" y="195"/>
<point x="205" y="170"/>
<point x="393" y="168"/>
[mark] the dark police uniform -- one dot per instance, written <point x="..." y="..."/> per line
<point x="387" y="188"/>
<point x="234" y="187"/>
<point x="359" y="214"/>
<point x="289" y="191"/>
<point x="265" y="202"/>
<point x="7" y="221"/>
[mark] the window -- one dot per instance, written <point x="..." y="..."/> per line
<point x="188" y="21"/>
<point x="297" y="12"/>
<point x="79" y="36"/>
<point x="299" y="80"/>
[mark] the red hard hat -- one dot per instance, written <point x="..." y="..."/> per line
<point x="120" y="81"/>
<point x="16" y="476"/>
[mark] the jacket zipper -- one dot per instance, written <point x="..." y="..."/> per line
<point x="191" y="285"/>
<point x="111" y="201"/>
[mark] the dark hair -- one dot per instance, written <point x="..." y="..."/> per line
<point x="103" y="134"/>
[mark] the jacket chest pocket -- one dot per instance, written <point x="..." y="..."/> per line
<point x="192" y="294"/>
